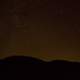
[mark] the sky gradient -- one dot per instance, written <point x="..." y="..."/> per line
<point x="45" y="29"/>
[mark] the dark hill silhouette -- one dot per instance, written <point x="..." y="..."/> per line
<point x="26" y="67"/>
<point x="31" y="60"/>
<point x="22" y="59"/>
<point x="64" y="65"/>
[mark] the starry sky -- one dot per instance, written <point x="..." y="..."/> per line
<point x="47" y="29"/>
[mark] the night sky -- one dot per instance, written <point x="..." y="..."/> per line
<point x="47" y="29"/>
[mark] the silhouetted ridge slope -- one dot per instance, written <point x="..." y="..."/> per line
<point x="26" y="64"/>
<point x="22" y="59"/>
<point x="53" y="69"/>
<point x="32" y="60"/>
<point x="64" y="63"/>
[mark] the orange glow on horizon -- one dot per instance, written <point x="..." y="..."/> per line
<point x="50" y="30"/>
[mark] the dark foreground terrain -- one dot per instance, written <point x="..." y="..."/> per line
<point x="23" y="67"/>
<point x="23" y="61"/>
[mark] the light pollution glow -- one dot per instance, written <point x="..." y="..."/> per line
<point x="41" y="33"/>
